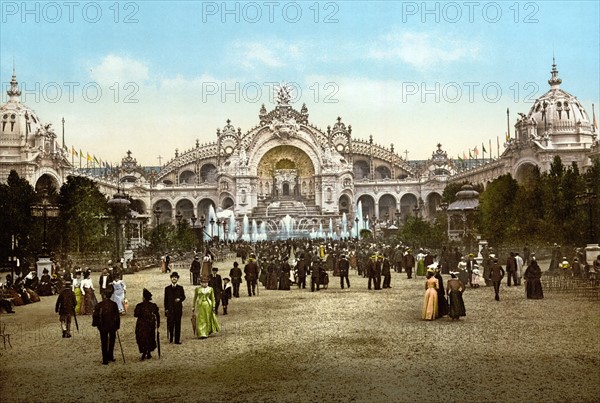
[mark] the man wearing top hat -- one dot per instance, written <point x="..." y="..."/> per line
<point x="173" y="303"/>
<point x="195" y="269"/>
<point x="65" y="307"/>
<point x="217" y="285"/>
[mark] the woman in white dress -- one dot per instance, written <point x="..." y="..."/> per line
<point x="118" y="295"/>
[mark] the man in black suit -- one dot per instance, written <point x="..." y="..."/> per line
<point x="108" y="320"/>
<point x="105" y="281"/>
<point x="195" y="270"/>
<point x="174" y="297"/>
<point x="216" y="284"/>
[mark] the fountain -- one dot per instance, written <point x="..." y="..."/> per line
<point x="254" y="236"/>
<point x="344" y="234"/>
<point x="245" y="225"/>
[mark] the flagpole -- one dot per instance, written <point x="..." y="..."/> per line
<point x="63" y="132"/>
<point x="508" y="122"/>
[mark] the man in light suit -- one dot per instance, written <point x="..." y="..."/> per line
<point x="173" y="303"/>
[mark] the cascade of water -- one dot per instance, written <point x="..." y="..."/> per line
<point x="320" y="233"/>
<point x="232" y="236"/>
<point x="254" y="236"/>
<point x="359" y="225"/>
<point x="330" y="235"/>
<point x="211" y="229"/>
<point x="245" y="225"/>
<point x="344" y="233"/>
<point x="263" y="231"/>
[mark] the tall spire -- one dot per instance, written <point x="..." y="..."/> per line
<point x="554" y="80"/>
<point x="14" y="93"/>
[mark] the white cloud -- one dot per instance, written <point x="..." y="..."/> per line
<point x="273" y="54"/>
<point x="422" y="50"/>
<point x="118" y="69"/>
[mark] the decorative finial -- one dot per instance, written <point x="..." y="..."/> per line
<point x="197" y="143"/>
<point x="370" y="139"/>
<point x="554" y="80"/>
<point x="14" y="92"/>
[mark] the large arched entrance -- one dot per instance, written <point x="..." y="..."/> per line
<point x="284" y="172"/>
<point x="46" y="183"/>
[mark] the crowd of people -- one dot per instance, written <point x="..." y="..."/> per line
<point x="281" y="265"/>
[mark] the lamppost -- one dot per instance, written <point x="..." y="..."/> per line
<point x="157" y="212"/>
<point x="193" y="219"/>
<point x="218" y="229"/>
<point x="118" y="204"/>
<point x="202" y="221"/>
<point x="356" y="227"/>
<point x="45" y="209"/>
<point x="178" y="217"/>
<point x="365" y="222"/>
<point x="588" y="198"/>
<point x="212" y="224"/>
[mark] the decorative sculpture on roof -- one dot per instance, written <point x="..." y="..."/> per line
<point x="284" y="128"/>
<point x="284" y="94"/>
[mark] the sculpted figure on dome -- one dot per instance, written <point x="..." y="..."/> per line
<point x="284" y="95"/>
<point x="284" y="128"/>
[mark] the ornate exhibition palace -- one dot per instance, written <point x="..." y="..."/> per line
<point x="287" y="176"/>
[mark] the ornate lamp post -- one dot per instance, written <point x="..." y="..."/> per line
<point x="193" y="219"/>
<point x="178" y="217"/>
<point x="202" y="221"/>
<point x="218" y="229"/>
<point x="356" y="227"/>
<point x="119" y="205"/>
<point x="212" y="224"/>
<point x="157" y="212"/>
<point x="45" y="209"/>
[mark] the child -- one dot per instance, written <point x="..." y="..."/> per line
<point x="226" y="294"/>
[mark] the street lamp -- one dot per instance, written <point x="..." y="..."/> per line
<point x="588" y="198"/>
<point x="157" y="212"/>
<point x="218" y="229"/>
<point x="178" y="217"/>
<point x="45" y="209"/>
<point x="119" y="205"/>
<point x="212" y="224"/>
<point x="356" y="227"/>
<point x="202" y="221"/>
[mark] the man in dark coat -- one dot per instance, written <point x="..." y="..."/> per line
<point x="195" y="270"/>
<point x="315" y="275"/>
<point x="173" y="303"/>
<point x="511" y="269"/>
<point x="496" y="275"/>
<point x="386" y="272"/>
<point x="107" y="319"/>
<point x="409" y="263"/>
<point x="236" y="279"/>
<point x="533" y="284"/>
<point x="217" y="285"/>
<point x="301" y="272"/>
<point x="65" y="307"/>
<point x="105" y="281"/>
<point x="251" y="274"/>
<point x="344" y="267"/>
<point x="147" y="323"/>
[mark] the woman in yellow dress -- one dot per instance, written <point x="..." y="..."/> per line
<point x="78" y="292"/>
<point x="204" y="310"/>
<point x="430" y="303"/>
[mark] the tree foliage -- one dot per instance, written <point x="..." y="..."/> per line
<point x="16" y="198"/>
<point x="83" y="214"/>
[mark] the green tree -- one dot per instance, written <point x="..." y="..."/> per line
<point x="83" y="211"/>
<point x="16" y="222"/>
<point x="496" y="209"/>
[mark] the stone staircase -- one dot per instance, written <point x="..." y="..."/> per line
<point x="280" y="208"/>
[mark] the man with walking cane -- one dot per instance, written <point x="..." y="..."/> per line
<point x="65" y="307"/>
<point x="107" y="319"/>
<point x="173" y="303"/>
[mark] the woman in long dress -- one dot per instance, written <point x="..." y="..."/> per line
<point x="430" y="303"/>
<point x="204" y="309"/>
<point x="87" y="289"/>
<point x="148" y="319"/>
<point x="455" y="289"/>
<point x="118" y="295"/>
<point x="78" y="292"/>
<point x="533" y="284"/>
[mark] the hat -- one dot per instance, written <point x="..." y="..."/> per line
<point x="45" y="270"/>
<point x="430" y="270"/>
<point x="235" y="264"/>
<point x="196" y="257"/>
<point x="174" y="274"/>
<point x="147" y="294"/>
<point x="215" y="269"/>
<point x="226" y="279"/>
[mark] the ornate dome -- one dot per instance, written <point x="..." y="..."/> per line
<point x="18" y="123"/>
<point x="558" y="111"/>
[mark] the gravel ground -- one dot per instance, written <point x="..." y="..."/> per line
<point x="331" y="346"/>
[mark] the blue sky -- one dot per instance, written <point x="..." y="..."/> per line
<point x="409" y="73"/>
